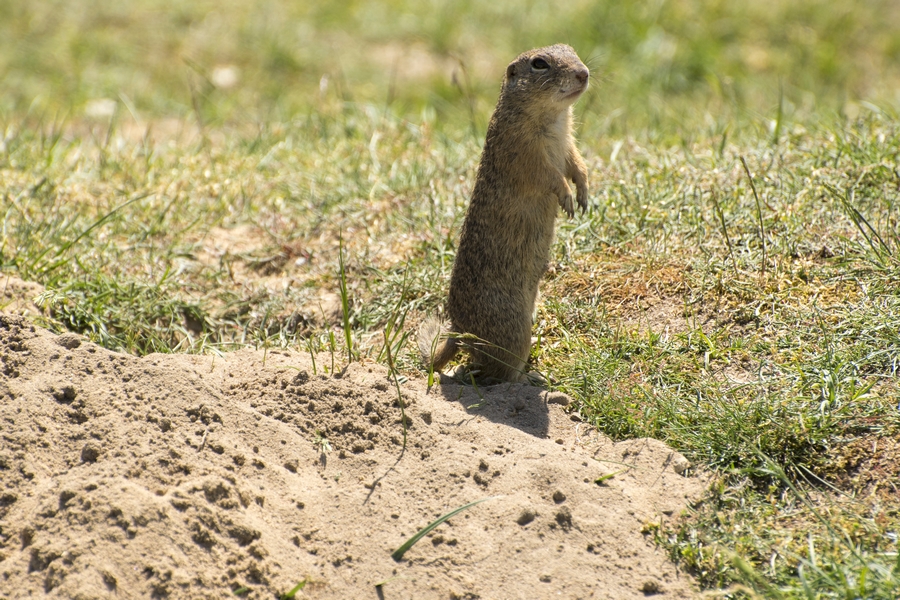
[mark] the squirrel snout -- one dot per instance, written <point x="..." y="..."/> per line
<point x="582" y="75"/>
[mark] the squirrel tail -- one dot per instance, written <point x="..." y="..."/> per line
<point x="434" y="351"/>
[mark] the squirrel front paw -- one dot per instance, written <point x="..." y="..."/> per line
<point x="564" y="195"/>
<point x="582" y="198"/>
<point x="565" y="201"/>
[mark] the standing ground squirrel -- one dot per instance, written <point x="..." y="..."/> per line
<point x="504" y="246"/>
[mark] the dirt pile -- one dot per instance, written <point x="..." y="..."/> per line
<point x="18" y="296"/>
<point x="175" y="476"/>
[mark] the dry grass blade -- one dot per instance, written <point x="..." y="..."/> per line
<point x="762" y="230"/>
<point x="390" y="359"/>
<point x="345" y="299"/>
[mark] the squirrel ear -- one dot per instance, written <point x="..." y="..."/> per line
<point x="511" y="72"/>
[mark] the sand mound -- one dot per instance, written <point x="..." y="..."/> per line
<point x="177" y="476"/>
<point x="18" y="296"/>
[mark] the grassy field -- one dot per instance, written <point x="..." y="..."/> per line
<point x="190" y="177"/>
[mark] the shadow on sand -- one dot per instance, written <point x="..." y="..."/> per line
<point x="518" y="405"/>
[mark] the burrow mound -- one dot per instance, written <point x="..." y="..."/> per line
<point x="175" y="476"/>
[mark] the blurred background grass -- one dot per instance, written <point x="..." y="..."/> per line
<point x="669" y="66"/>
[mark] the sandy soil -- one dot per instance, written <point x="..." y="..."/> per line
<point x="174" y="476"/>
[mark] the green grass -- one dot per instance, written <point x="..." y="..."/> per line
<point x="397" y="554"/>
<point x="779" y="357"/>
<point x="757" y="333"/>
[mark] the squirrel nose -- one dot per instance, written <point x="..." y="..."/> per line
<point x="582" y="75"/>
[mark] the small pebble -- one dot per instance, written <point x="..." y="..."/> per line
<point x="680" y="464"/>
<point x="558" y="398"/>
<point x="651" y="587"/>
<point x="526" y="517"/>
<point x="90" y="452"/>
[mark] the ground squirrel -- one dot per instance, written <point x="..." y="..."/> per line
<point x="504" y="247"/>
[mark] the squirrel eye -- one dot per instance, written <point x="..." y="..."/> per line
<point x="539" y="64"/>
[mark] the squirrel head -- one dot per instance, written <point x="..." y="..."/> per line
<point x="546" y="78"/>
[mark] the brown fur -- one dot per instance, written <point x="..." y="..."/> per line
<point x="504" y="246"/>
